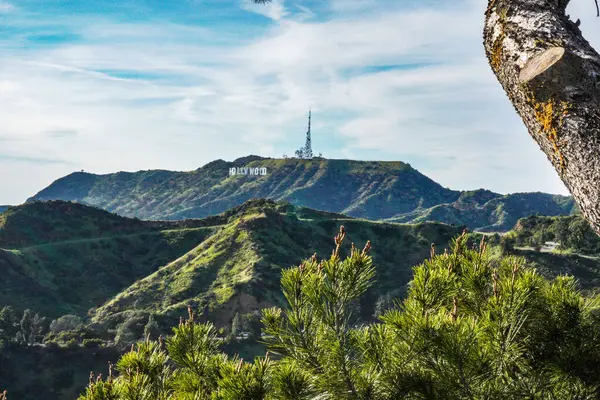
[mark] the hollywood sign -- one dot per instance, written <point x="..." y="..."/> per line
<point x="247" y="171"/>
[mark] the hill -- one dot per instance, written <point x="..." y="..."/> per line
<point x="498" y="214"/>
<point x="119" y="274"/>
<point x="237" y="269"/>
<point x="60" y="257"/>
<point x="572" y="233"/>
<point x="120" y="271"/>
<point x="46" y="222"/>
<point x="392" y="191"/>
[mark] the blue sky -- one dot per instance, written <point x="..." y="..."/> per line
<point x="137" y="84"/>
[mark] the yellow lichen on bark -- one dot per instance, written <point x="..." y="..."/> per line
<point x="550" y="115"/>
<point x="496" y="55"/>
<point x="497" y="49"/>
<point x="544" y="113"/>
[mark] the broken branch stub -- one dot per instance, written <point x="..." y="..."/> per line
<point x="540" y="63"/>
<point x="559" y="75"/>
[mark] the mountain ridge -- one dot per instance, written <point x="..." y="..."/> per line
<point x="375" y="190"/>
<point x="237" y="269"/>
<point x="72" y="258"/>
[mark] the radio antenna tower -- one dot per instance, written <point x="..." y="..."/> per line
<point x="308" y="153"/>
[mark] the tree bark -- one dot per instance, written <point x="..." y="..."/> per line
<point x="551" y="75"/>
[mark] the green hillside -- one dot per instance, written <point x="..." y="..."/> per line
<point x="46" y="222"/>
<point x="67" y="258"/>
<point x="120" y="274"/>
<point x="237" y="269"/>
<point x="62" y="257"/>
<point x="59" y="257"/>
<point x="372" y="190"/>
<point x="573" y="233"/>
<point x="51" y="373"/>
<point x="497" y="214"/>
<point x="224" y="265"/>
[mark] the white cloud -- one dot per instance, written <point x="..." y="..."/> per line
<point x="305" y="13"/>
<point x="169" y="96"/>
<point x="274" y="10"/>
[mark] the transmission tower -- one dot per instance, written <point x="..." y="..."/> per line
<point x="308" y="153"/>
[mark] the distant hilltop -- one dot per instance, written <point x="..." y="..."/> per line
<point x="375" y="190"/>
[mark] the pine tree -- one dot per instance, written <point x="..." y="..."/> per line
<point x="39" y="328"/>
<point x="237" y="324"/>
<point x="9" y="324"/>
<point x="26" y="326"/>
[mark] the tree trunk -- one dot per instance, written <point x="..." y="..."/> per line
<point x="551" y="75"/>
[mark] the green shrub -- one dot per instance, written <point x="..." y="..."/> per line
<point x="89" y="343"/>
<point x="66" y="323"/>
<point x="151" y="330"/>
<point x="51" y="344"/>
<point x="131" y="330"/>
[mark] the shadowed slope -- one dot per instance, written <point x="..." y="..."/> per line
<point x="60" y="257"/>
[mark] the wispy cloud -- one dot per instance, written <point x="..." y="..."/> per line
<point x="6" y="7"/>
<point x="62" y="133"/>
<point x="34" y="160"/>
<point x="274" y="10"/>
<point x="179" y="86"/>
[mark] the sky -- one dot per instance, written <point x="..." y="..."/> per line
<point x="111" y="85"/>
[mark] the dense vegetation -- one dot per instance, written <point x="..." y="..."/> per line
<point x="573" y="233"/>
<point x="471" y="327"/>
<point x="103" y="282"/>
<point x="391" y="191"/>
<point x="40" y="359"/>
